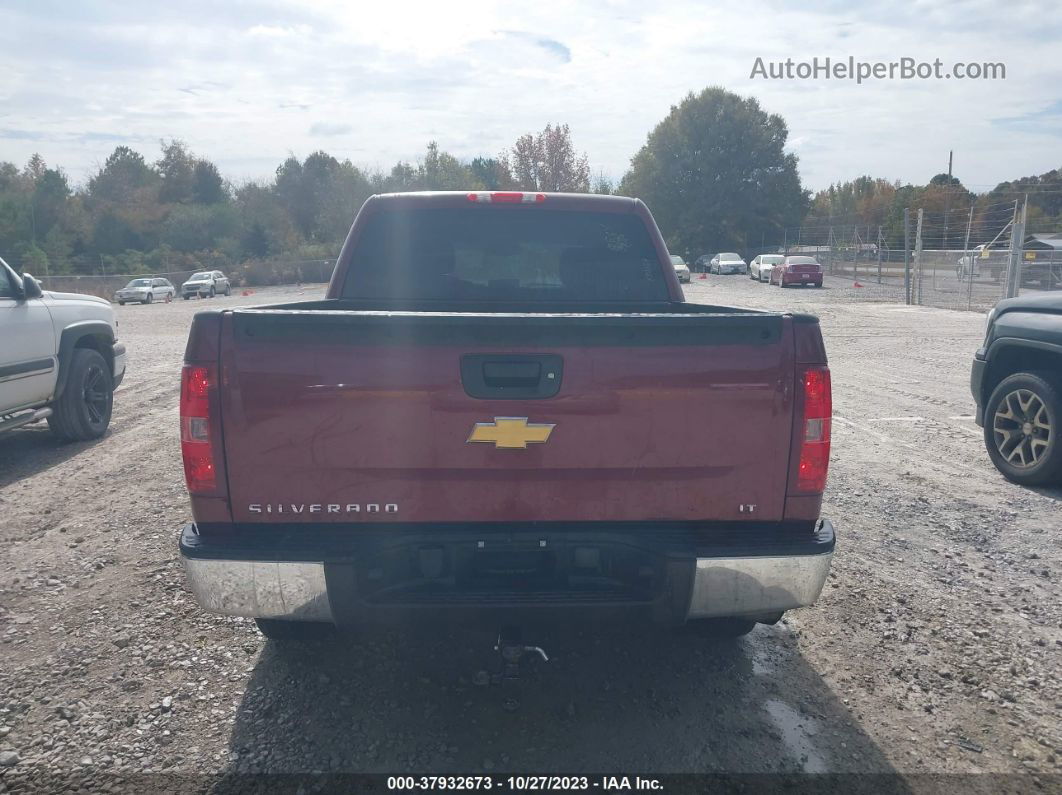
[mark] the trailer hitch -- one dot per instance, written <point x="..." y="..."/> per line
<point x="511" y="652"/>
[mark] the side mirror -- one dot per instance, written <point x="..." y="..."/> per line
<point x="31" y="288"/>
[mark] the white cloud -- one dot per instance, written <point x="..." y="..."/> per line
<point x="245" y="83"/>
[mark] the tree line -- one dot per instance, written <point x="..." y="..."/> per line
<point x="714" y="172"/>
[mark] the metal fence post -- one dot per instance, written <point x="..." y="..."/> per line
<point x="967" y="267"/>
<point x="1017" y="242"/>
<point x="906" y="255"/>
<point x="829" y="251"/>
<point x="878" y="246"/>
<point x="918" y="258"/>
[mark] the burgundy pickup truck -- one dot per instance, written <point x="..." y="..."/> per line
<point x="503" y="406"/>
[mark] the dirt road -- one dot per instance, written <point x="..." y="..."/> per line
<point x="935" y="649"/>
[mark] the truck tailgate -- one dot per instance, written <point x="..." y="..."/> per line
<point x="356" y="416"/>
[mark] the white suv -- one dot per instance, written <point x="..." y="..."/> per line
<point x="60" y="358"/>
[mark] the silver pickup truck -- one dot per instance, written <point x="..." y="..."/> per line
<point x="60" y="358"/>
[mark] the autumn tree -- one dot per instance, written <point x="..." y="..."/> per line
<point x="548" y="162"/>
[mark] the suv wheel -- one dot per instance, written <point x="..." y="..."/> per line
<point x="149" y="298"/>
<point x="83" y="411"/>
<point x="280" y="629"/>
<point x="1023" y="420"/>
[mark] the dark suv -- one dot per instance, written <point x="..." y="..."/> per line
<point x="1017" y="383"/>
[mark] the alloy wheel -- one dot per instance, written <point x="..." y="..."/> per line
<point x="1022" y="428"/>
<point x="95" y="394"/>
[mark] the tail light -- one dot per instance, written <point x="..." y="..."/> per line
<point x="198" y="383"/>
<point x="501" y="197"/>
<point x="815" y="444"/>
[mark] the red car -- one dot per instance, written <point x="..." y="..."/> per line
<point x="504" y="405"/>
<point x="797" y="271"/>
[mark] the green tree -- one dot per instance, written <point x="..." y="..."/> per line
<point x="198" y="227"/>
<point x="302" y="188"/>
<point x="442" y="171"/>
<point x="207" y="185"/>
<point x="50" y="195"/>
<point x="715" y="173"/>
<point x="176" y="169"/>
<point x="122" y="178"/>
<point x="492" y="173"/>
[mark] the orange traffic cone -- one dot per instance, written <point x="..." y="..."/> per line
<point x="856" y="284"/>
<point x="248" y="292"/>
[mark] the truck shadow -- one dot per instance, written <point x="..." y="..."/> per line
<point x="609" y="701"/>
<point x="32" y="449"/>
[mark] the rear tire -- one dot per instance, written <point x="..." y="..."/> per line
<point x="281" y="629"/>
<point x="1023" y="401"/>
<point x="83" y="411"/>
<point x="721" y="628"/>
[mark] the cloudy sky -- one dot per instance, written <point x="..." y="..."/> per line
<point x="245" y="82"/>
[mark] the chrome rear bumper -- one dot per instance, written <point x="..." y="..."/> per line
<point x="756" y="586"/>
<point x="752" y="586"/>
<point x="258" y="589"/>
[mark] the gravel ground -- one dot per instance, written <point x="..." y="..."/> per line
<point x="935" y="648"/>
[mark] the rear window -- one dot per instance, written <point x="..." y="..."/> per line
<point x="802" y="261"/>
<point x="449" y="254"/>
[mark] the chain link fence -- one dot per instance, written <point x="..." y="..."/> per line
<point x="963" y="259"/>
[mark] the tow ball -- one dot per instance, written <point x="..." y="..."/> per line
<point x="511" y="652"/>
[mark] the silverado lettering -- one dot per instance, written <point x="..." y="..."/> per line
<point x="256" y="507"/>
<point x="563" y="431"/>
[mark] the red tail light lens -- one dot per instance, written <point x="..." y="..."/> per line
<point x="815" y="445"/>
<point x="197" y="446"/>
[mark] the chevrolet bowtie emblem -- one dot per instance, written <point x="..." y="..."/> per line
<point x="510" y="433"/>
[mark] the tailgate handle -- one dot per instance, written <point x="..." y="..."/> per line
<point x="511" y="376"/>
<point x="505" y="374"/>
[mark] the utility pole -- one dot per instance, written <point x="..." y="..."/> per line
<point x="947" y="200"/>
<point x="918" y="256"/>
<point x="785" y="242"/>
<point x="907" y="255"/>
<point x="829" y="251"/>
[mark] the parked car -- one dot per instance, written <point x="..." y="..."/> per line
<point x="1016" y="382"/>
<point x="797" y="270"/>
<point x="682" y="271"/>
<point x="761" y="266"/>
<point x="728" y="262"/>
<point x="499" y="405"/>
<point x="206" y="284"/>
<point x="60" y="359"/>
<point x="144" y="291"/>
